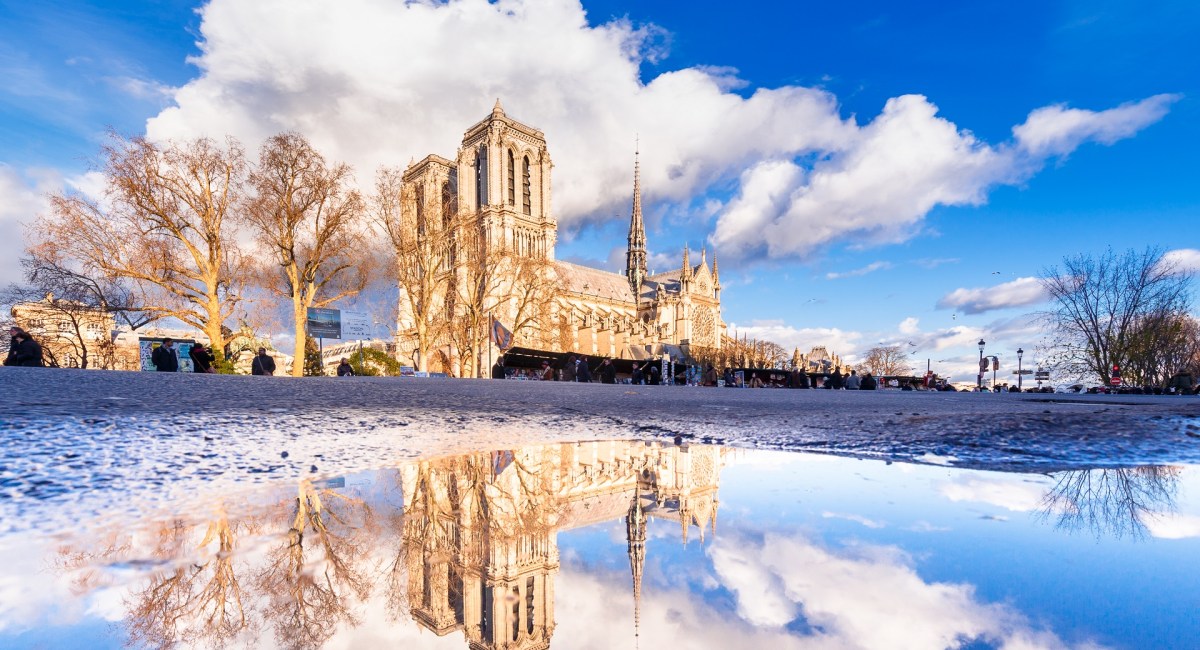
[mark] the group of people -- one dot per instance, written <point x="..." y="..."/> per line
<point x="165" y="358"/>
<point x="576" y="369"/>
<point x="795" y="379"/>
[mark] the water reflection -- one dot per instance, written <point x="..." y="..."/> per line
<point x="1111" y="501"/>
<point x="471" y="548"/>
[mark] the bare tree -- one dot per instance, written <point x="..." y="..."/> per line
<point x="481" y="275"/>
<point x="71" y="314"/>
<point x="886" y="360"/>
<point x="307" y="217"/>
<point x="423" y="244"/>
<point x="1100" y="303"/>
<point x="1113" y="501"/>
<point x="163" y="226"/>
<point x="531" y="300"/>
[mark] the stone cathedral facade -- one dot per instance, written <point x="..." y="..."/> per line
<point x="501" y="179"/>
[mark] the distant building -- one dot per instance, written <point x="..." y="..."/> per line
<point x="72" y="335"/>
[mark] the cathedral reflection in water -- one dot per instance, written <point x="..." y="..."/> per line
<point x="481" y="529"/>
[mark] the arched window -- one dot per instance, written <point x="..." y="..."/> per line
<point x="481" y="178"/>
<point x="512" y="179"/>
<point x="526" y="188"/>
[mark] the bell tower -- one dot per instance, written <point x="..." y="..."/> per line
<point x="504" y="179"/>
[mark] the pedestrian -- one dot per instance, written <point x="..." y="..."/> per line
<point x="547" y="371"/>
<point x="729" y="377"/>
<point x="655" y="374"/>
<point x="23" y="350"/>
<point x="263" y="364"/>
<point x="835" y="380"/>
<point x="583" y="373"/>
<point x="344" y="369"/>
<point x="710" y="376"/>
<point x="639" y="374"/>
<point x="853" y="381"/>
<point x="202" y="359"/>
<point x="568" y="371"/>
<point x="607" y="372"/>
<point x="868" y="382"/>
<point x="802" y="380"/>
<point x="497" y="368"/>
<point x="164" y="357"/>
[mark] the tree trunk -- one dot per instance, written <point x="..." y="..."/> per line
<point x="300" y="315"/>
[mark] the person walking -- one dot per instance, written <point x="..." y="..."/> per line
<point x="655" y="374"/>
<point x="568" y="371"/>
<point x="835" y="380"/>
<point x="639" y="374"/>
<point x="607" y="372"/>
<point x="584" y="373"/>
<point x="853" y="382"/>
<point x="202" y="359"/>
<point x="164" y="357"/>
<point x="344" y="369"/>
<point x="263" y="364"/>
<point x="547" y="371"/>
<point x="710" y="376"/>
<point x="497" y="368"/>
<point x="23" y="350"/>
<point x="802" y="380"/>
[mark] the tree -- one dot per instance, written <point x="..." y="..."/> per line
<point x="371" y="362"/>
<point x="308" y="219"/>
<point x="422" y="239"/>
<point x="1160" y="347"/>
<point x="314" y="365"/>
<point x="70" y="313"/>
<point x="163" y="227"/>
<point x="886" y="360"/>
<point x="1110" y="310"/>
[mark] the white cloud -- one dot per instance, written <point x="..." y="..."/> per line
<point x="1021" y="292"/>
<point x="836" y="340"/>
<point x="910" y="326"/>
<point x="1058" y="130"/>
<point x="858" y="519"/>
<point x="870" y="268"/>
<point x="1012" y="495"/>
<point x="1185" y="260"/>
<point x="1173" y="526"/>
<point x="24" y="195"/>
<point x="383" y="83"/>
<point x="863" y="596"/>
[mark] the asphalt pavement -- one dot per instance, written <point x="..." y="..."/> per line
<point x="83" y="436"/>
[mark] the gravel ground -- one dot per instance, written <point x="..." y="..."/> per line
<point x="97" y="444"/>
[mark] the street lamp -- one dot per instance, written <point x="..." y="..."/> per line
<point x="979" y="378"/>
<point x="1020" y="353"/>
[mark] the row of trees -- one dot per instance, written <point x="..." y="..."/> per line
<point x="192" y="231"/>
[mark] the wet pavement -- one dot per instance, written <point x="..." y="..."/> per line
<point x="207" y="511"/>
<point x="628" y="544"/>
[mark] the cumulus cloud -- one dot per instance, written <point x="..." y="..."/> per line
<point x="24" y="195"/>
<point x="859" y="272"/>
<point x="1015" y="495"/>
<point x="1173" y="525"/>
<point x="1185" y="260"/>
<point x="1021" y="292"/>
<point x="383" y="83"/>
<point x="864" y="596"/>
<point x="1058" y="130"/>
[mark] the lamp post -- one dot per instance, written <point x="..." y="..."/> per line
<point x="1020" y="353"/>
<point x="979" y="378"/>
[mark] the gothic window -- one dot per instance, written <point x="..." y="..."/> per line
<point x="449" y="201"/>
<point x="420" y="209"/>
<point x="704" y="327"/>
<point x="528" y="205"/>
<point x="512" y="179"/>
<point x="481" y="178"/>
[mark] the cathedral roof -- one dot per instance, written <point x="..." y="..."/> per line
<point x="574" y="278"/>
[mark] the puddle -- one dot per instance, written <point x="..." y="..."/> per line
<point x="634" y="545"/>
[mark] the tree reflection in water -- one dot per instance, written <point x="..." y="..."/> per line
<point x="1111" y="501"/>
<point x="469" y="544"/>
<point x="198" y="602"/>
<point x="315" y="577"/>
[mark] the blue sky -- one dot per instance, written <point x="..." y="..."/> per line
<point x="735" y="105"/>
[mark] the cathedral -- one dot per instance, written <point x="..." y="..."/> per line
<point x="500" y="179"/>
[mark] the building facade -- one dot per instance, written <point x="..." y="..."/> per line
<point x="499" y="186"/>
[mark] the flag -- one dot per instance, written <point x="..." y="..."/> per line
<point x="501" y="336"/>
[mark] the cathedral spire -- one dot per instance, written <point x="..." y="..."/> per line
<point x="497" y="110"/>
<point x="685" y="272"/>
<point x="635" y="528"/>
<point x="635" y="258"/>
<point x="716" y="276"/>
